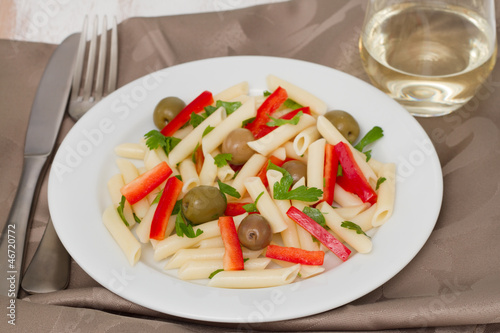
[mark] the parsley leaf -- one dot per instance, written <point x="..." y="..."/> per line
<point x="228" y="189"/>
<point x="183" y="229"/>
<point x="154" y="139"/>
<point x="137" y="219"/>
<point x="373" y="135"/>
<point x="177" y="207"/>
<point x="207" y="130"/>
<point x="282" y="188"/>
<point x="221" y="159"/>
<point x="196" y="119"/>
<point x="316" y="215"/>
<point x="252" y="207"/>
<point x="157" y="198"/>
<point x="379" y="182"/>
<point x="215" y="272"/>
<point x="119" y="209"/>
<point x="353" y="226"/>
<point x="280" y="122"/>
<point x="229" y="106"/>
<point x="247" y="121"/>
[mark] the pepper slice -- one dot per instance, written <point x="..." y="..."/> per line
<point x="145" y="183"/>
<point x="352" y="179"/>
<point x="270" y="105"/>
<point x="330" y="173"/>
<point x="233" y="255"/>
<point x="326" y="238"/>
<point x="165" y="207"/>
<point x="235" y="208"/>
<point x="295" y="255"/>
<point x="268" y="129"/>
<point x="197" y="105"/>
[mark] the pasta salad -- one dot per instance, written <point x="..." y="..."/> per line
<point x="249" y="191"/>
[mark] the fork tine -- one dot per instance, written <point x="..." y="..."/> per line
<point x="77" y="77"/>
<point x="99" y="85"/>
<point x="113" y="62"/>
<point x="89" y="76"/>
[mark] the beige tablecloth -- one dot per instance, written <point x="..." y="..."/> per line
<point x="453" y="282"/>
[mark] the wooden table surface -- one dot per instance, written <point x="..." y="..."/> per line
<point x="51" y="21"/>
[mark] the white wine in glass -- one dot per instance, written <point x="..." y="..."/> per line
<point x="430" y="56"/>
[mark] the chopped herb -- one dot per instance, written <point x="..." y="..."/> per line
<point x="221" y="159"/>
<point x="119" y="209"/>
<point x="196" y="119"/>
<point x="228" y="189"/>
<point x="178" y="177"/>
<point x="247" y="121"/>
<point x="154" y="139"/>
<point x="177" y="207"/>
<point x="282" y="188"/>
<point x="379" y="182"/>
<point x="157" y="198"/>
<point x="207" y="130"/>
<point x="210" y="109"/>
<point x="280" y="122"/>
<point x="353" y="226"/>
<point x="291" y="104"/>
<point x="246" y="259"/>
<point x="316" y="215"/>
<point x="185" y="229"/>
<point x="215" y="272"/>
<point x="373" y="135"/>
<point x="339" y="170"/>
<point x="252" y="207"/>
<point x="137" y="219"/>
<point x="193" y="155"/>
<point x="229" y="106"/>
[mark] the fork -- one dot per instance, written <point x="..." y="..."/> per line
<point x="49" y="269"/>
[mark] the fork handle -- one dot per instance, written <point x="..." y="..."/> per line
<point x="13" y="238"/>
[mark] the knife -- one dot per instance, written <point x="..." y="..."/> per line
<point x="45" y="120"/>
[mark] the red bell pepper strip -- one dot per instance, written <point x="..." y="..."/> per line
<point x="295" y="255"/>
<point x="270" y="105"/>
<point x="330" y="173"/>
<point x="197" y="105"/>
<point x="165" y="207"/>
<point x="145" y="183"/>
<point x="268" y="129"/>
<point x="326" y="238"/>
<point x="263" y="171"/>
<point x="233" y="255"/>
<point x="352" y="179"/>
<point x="235" y="208"/>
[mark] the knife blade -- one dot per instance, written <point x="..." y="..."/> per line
<point x="45" y="120"/>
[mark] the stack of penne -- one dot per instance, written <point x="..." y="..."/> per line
<point x="200" y="254"/>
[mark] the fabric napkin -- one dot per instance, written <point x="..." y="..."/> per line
<point x="453" y="284"/>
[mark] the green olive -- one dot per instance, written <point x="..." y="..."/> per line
<point x="254" y="232"/>
<point x="236" y="144"/>
<point x="296" y="169"/>
<point x="203" y="203"/>
<point x="166" y="110"/>
<point x="345" y="123"/>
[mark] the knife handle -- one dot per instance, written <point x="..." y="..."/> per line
<point x="13" y="238"/>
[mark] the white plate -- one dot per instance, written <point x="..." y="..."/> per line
<point x="85" y="161"/>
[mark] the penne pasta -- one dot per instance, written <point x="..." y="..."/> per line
<point x="131" y="150"/>
<point x="359" y="242"/>
<point x="386" y="195"/>
<point x="202" y="269"/>
<point x="249" y="169"/>
<point x="255" y="278"/>
<point x="189" y="175"/>
<point x="122" y="235"/>
<point x="344" y="198"/>
<point x="233" y="92"/>
<point x="187" y="145"/>
<point x="316" y="164"/>
<point x="298" y="94"/>
<point x="208" y="172"/>
<point x="214" y="139"/>
<point x="184" y="255"/>
<point x="129" y="173"/>
<point x="273" y="140"/>
<point x="289" y="235"/>
<point x="265" y="204"/>
<point x="304" y="139"/>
